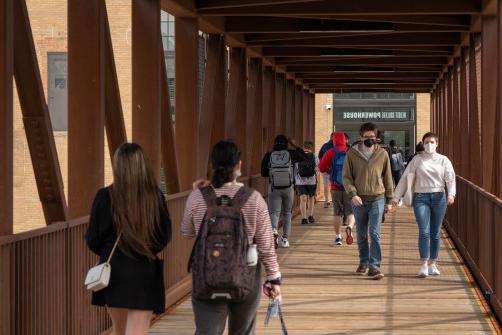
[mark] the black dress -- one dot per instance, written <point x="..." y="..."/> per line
<point x="135" y="283"/>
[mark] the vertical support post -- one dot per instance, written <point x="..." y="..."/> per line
<point x="498" y="137"/>
<point x="312" y="116"/>
<point x="448" y="135"/>
<point x="305" y="116"/>
<point x="298" y="115"/>
<point x="269" y="106"/>
<point x="254" y="116"/>
<point x="86" y="104"/>
<point x="280" y="112"/>
<point x="187" y="98"/>
<point x="455" y="126"/>
<point x="114" y="118"/>
<point x="464" y="117"/>
<point x="6" y="123"/>
<point x="289" y="108"/>
<point x="475" y="138"/>
<point x="489" y="82"/>
<point x="168" y="142"/>
<point x="6" y="163"/>
<point x="213" y="97"/>
<point x="236" y="105"/>
<point x="146" y="79"/>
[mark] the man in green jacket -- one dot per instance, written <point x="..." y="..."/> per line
<point x="367" y="178"/>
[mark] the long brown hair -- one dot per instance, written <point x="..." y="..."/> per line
<point x="135" y="199"/>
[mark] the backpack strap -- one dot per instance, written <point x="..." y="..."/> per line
<point x="209" y="196"/>
<point x="241" y="197"/>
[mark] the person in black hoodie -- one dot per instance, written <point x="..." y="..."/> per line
<point x="277" y="165"/>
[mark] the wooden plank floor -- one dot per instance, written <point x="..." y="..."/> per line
<point x="323" y="295"/>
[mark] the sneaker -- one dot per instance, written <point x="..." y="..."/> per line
<point x="285" y="243"/>
<point x="338" y="240"/>
<point x="375" y="273"/>
<point x="361" y="269"/>
<point x="311" y="219"/>
<point x="433" y="270"/>
<point x="349" y="238"/>
<point x="326" y="204"/>
<point x="305" y="221"/>
<point x="276" y="238"/>
<point x="423" y="272"/>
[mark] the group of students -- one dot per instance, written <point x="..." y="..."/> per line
<point x="235" y="231"/>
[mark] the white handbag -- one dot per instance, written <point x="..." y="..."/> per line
<point x="410" y="189"/>
<point x="98" y="277"/>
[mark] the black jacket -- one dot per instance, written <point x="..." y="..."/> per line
<point x="135" y="283"/>
<point x="297" y="156"/>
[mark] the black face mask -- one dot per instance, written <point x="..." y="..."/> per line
<point x="369" y="142"/>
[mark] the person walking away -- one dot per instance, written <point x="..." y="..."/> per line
<point x="277" y="165"/>
<point x="367" y="179"/>
<point x="434" y="175"/>
<point x="306" y="176"/>
<point x="132" y="214"/>
<point x="325" y="175"/>
<point x="333" y="161"/>
<point x="397" y="163"/>
<point x="234" y="239"/>
<point x="419" y="149"/>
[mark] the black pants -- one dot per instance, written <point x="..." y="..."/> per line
<point x="211" y="316"/>
<point x="396" y="175"/>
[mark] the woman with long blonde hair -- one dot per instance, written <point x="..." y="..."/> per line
<point x="133" y="212"/>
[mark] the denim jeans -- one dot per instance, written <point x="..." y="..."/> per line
<point x="281" y="201"/>
<point x="429" y="209"/>
<point x="369" y="215"/>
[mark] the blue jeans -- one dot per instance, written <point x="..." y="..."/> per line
<point x="429" y="209"/>
<point x="369" y="215"/>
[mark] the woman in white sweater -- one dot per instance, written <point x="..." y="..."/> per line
<point x="434" y="175"/>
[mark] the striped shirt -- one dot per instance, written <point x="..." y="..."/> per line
<point x="256" y="220"/>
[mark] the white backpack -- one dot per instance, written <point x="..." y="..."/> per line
<point x="281" y="169"/>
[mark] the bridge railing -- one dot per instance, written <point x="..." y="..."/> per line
<point x="44" y="269"/>
<point x="475" y="225"/>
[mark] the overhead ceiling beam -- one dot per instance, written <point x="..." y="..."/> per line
<point x="372" y="85"/>
<point x="378" y="40"/>
<point x="218" y="4"/>
<point x="356" y="90"/>
<point x="236" y="24"/>
<point x="369" y="61"/>
<point x="317" y="51"/>
<point x="442" y="20"/>
<point x="355" y="7"/>
<point x="367" y="75"/>
<point x="327" y="69"/>
<point x="428" y="81"/>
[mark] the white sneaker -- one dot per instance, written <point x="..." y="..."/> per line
<point x="423" y="272"/>
<point x="285" y="243"/>
<point x="433" y="270"/>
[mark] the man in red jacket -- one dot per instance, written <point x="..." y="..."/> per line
<point x="332" y="163"/>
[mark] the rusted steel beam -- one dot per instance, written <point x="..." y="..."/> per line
<point x="212" y="113"/>
<point x="312" y="117"/>
<point x="464" y="117"/>
<point x="187" y="98"/>
<point x="114" y="117"/>
<point x="6" y="134"/>
<point x="298" y="115"/>
<point x="498" y="137"/>
<point x="269" y="107"/>
<point x="36" y="119"/>
<point x="280" y="114"/>
<point x="449" y="111"/>
<point x="146" y="85"/>
<point x="255" y="116"/>
<point x="305" y="116"/>
<point x="474" y="121"/>
<point x="456" y="117"/>
<point x="489" y="84"/>
<point x="353" y="8"/>
<point x="168" y="141"/>
<point x="236" y="102"/>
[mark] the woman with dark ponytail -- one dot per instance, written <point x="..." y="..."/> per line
<point x="211" y="314"/>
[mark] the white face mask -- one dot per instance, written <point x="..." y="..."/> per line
<point x="237" y="174"/>
<point x="430" y="148"/>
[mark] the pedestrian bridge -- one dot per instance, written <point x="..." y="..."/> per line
<point x="323" y="294"/>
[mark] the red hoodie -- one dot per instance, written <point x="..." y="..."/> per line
<point x="340" y="142"/>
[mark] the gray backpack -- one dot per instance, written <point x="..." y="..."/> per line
<point x="280" y="169"/>
<point x="219" y="257"/>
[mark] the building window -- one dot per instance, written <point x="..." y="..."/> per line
<point x="57" y="90"/>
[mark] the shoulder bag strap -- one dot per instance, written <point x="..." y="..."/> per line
<point x="114" y="247"/>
